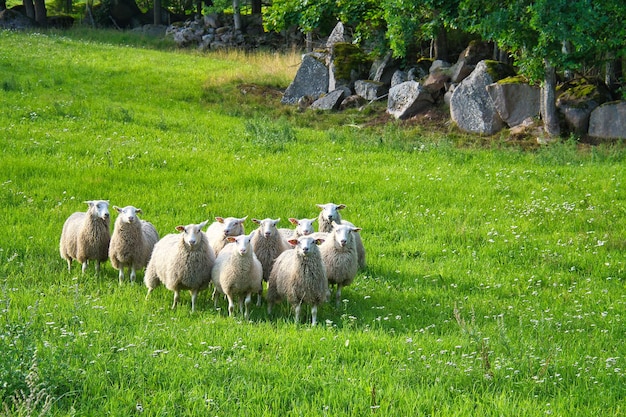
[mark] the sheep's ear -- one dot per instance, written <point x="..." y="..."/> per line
<point x="356" y="229"/>
<point x="313" y="220"/>
<point x="276" y="221"/>
<point x="138" y="211"/>
<point x="341" y="206"/>
<point x="180" y="228"/>
<point x="335" y="224"/>
<point x="204" y="223"/>
<point x="257" y="221"/>
<point x="319" y="241"/>
<point x="243" y="219"/>
<point x="220" y="219"/>
<point x="293" y="221"/>
<point x="231" y="239"/>
<point x="293" y="242"/>
<point x="252" y="234"/>
<point x="118" y="209"/>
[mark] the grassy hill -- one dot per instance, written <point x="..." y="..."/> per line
<point x="495" y="278"/>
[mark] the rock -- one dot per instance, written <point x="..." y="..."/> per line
<point x="471" y="107"/>
<point x="311" y="80"/>
<point x="352" y="102"/>
<point x="336" y="36"/>
<point x="10" y="19"/>
<point x="382" y="71"/>
<point x="370" y="90"/>
<point x="399" y="77"/>
<point x="348" y="63"/>
<point x="609" y="121"/>
<point x="576" y="100"/>
<point x="515" y="101"/>
<point x="408" y="99"/>
<point x="330" y="101"/>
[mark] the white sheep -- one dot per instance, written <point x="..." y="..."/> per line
<point x="330" y="213"/>
<point x="303" y="227"/>
<point x="340" y="257"/>
<point x="181" y="262"/>
<point x="132" y="241"/>
<point x="223" y="227"/>
<point x="237" y="273"/>
<point x="299" y="276"/>
<point x="86" y="236"/>
<point x="268" y="243"/>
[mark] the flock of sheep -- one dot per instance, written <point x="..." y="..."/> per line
<point x="299" y="265"/>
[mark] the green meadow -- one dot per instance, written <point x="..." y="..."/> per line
<point x="495" y="283"/>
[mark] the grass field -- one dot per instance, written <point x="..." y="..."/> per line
<point x="495" y="279"/>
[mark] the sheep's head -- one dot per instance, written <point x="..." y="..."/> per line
<point x="128" y="214"/>
<point x="267" y="227"/>
<point x="344" y="234"/>
<point x="192" y="233"/>
<point x="242" y="242"/>
<point x="304" y="245"/>
<point x="330" y="211"/>
<point x="99" y="208"/>
<point x="303" y="226"/>
<point x="233" y="226"/>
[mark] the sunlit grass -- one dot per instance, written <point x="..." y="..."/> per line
<point x="495" y="279"/>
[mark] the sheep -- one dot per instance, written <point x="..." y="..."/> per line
<point x="181" y="262"/>
<point x="340" y="257"/>
<point x="132" y="241"/>
<point x="299" y="276"/>
<point x="87" y="236"/>
<point x="303" y="227"/>
<point x="268" y="243"/>
<point x="237" y="273"/>
<point x="330" y="214"/>
<point x="221" y="228"/>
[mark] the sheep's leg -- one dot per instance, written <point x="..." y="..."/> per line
<point x="121" y="275"/>
<point x="269" y="308"/>
<point x="149" y="291"/>
<point x="247" y="302"/>
<point x="314" y="314"/>
<point x="194" y="296"/>
<point x="97" y="267"/>
<point x="338" y="295"/>
<point x="176" y="297"/>
<point x="298" y="307"/>
<point x="214" y="297"/>
<point x="259" y="296"/>
<point x="85" y="263"/>
<point x="231" y="305"/>
<point x="133" y="273"/>
<point x="69" y="265"/>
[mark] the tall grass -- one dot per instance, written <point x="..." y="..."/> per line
<point x="495" y="278"/>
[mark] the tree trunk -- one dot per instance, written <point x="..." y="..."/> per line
<point x="566" y="48"/>
<point x="548" y="102"/>
<point x="3" y="5"/>
<point x="308" y="42"/>
<point x="256" y="6"/>
<point x="609" y="71"/>
<point x="441" y="44"/>
<point x="41" y="16"/>
<point x="29" y="8"/>
<point x="157" y="12"/>
<point x="236" y="14"/>
<point x="68" y="6"/>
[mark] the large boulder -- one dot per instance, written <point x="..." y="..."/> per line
<point x="14" y="20"/>
<point x="383" y="70"/>
<point x="609" y="121"/>
<point x="471" y="107"/>
<point x="407" y="99"/>
<point x="311" y="80"/>
<point x="348" y="63"/>
<point x="370" y="90"/>
<point x="577" y="99"/>
<point x="330" y="101"/>
<point x="515" y="100"/>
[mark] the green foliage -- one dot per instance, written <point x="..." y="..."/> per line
<point x="495" y="278"/>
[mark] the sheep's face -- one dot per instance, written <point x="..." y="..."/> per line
<point x="192" y="234"/>
<point x="344" y="234"/>
<point x="232" y="225"/>
<point x="330" y="211"/>
<point x="305" y="245"/>
<point x="128" y="214"/>
<point x="304" y="227"/>
<point x="242" y="243"/>
<point x="267" y="227"/>
<point x="99" y="208"/>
